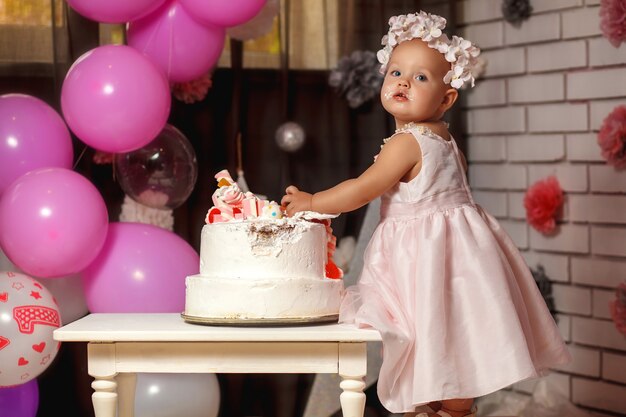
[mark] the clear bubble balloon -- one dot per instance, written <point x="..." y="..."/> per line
<point x="162" y="174"/>
<point x="290" y="136"/>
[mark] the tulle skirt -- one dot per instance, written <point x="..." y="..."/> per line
<point x="458" y="310"/>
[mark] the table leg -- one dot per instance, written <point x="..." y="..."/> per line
<point x="352" y="369"/>
<point x="352" y="398"/>
<point x="126" y="385"/>
<point x="105" y="397"/>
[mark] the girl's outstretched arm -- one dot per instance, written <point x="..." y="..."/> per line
<point x="396" y="159"/>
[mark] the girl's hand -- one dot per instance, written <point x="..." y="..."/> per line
<point x="296" y="200"/>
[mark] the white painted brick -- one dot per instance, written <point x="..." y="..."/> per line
<point x="535" y="148"/>
<point x="579" y="23"/>
<point x="470" y="11"/>
<point x="584" y="361"/>
<point x="497" y="177"/>
<point x="537" y="28"/>
<point x="516" y="206"/>
<point x="485" y="35"/>
<point x="496" y="120"/>
<point x="592" y="2"/>
<point x="557" y="55"/>
<point x="540" y="6"/>
<point x="487" y="93"/>
<point x="486" y="149"/>
<point x="608" y="241"/>
<point x="614" y="367"/>
<point x="595" y="332"/>
<point x="558" y="118"/>
<point x="598" y="208"/>
<point x="492" y="201"/>
<point x="601" y="52"/>
<point x="568" y="238"/>
<point x="555" y="266"/>
<point x="598" y="394"/>
<point x="583" y="147"/>
<point x="599" y="109"/>
<point x="518" y="231"/>
<point x="574" y="300"/>
<point x="596" y="84"/>
<point x="601" y="300"/>
<point x="598" y="272"/>
<point x="564" y="323"/>
<point x="605" y="178"/>
<point x="508" y="61"/>
<point x="536" y="88"/>
<point x="571" y="177"/>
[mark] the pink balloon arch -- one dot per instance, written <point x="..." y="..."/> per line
<point x="180" y="46"/>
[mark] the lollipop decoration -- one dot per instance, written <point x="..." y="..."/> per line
<point x="30" y="315"/>
<point x="161" y="174"/>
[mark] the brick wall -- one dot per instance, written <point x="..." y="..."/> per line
<point x="536" y="112"/>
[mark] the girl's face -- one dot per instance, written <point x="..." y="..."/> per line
<point x="413" y="89"/>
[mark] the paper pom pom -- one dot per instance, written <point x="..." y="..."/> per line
<point x="542" y="202"/>
<point x="357" y="78"/>
<point x="613" y="21"/>
<point x="618" y="308"/>
<point x="545" y="287"/>
<point x="516" y="11"/>
<point x="612" y="137"/>
<point x="192" y="91"/>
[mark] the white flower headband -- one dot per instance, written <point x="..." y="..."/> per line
<point x="458" y="51"/>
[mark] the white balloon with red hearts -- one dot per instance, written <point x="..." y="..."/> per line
<point x="28" y="316"/>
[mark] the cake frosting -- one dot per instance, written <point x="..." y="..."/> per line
<point x="258" y="265"/>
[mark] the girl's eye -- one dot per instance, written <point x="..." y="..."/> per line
<point x="395" y="73"/>
<point x="420" y="77"/>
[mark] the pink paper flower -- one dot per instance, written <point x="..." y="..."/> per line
<point x="192" y="91"/>
<point x="542" y="202"/>
<point x="618" y="308"/>
<point x="612" y="137"/>
<point x="613" y="20"/>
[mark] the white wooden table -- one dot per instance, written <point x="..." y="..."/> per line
<point x="120" y="345"/>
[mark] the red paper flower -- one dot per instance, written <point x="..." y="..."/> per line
<point x="613" y="20"/>
<point x="192" y="91"/>
<point x="618" y="308"/>
<point x="542" y="202"/>
<point x="612" y="137"/>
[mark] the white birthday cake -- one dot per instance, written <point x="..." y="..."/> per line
<point x="257" y="266"/>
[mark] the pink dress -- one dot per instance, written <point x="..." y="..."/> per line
<point x="458" y="310"/>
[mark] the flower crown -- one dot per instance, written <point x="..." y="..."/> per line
<point x="428" y="27"/>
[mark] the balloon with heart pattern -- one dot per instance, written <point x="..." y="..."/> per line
<point x="28" y="316"/>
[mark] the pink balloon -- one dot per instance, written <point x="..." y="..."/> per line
<point x="223" y="12"/>
<point x="114" y="99"/>
<point x="53" y="222"/>
<point x="183" y="48"/>
<point x="141" y="269"/>
<point x="32" y="135"/>
<point x="114" y="11"/>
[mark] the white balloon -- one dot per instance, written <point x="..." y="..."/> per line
<point x="166" y="395"/>
<point x="28" y="316"/>
<point x="69" y="293"/>
<point x="290" y="136"/>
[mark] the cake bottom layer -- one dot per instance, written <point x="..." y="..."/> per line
<point x="271" y="299"/>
